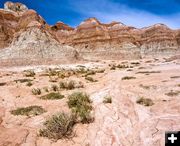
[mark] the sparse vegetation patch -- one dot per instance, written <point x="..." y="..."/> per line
<point x="52" y="96"/>
<point x="145" y="101"/>
<point x="36" y="91"/>
<point x="80" y="104"/>
<point x="28" y="111"/>
<point x="67" y="85"/>
<point x="173" y="93"/>
<point x="54" y="88"/>
<point x="128" y="78"/>
<point x="23" y="80"/>
<point x="58" y="126"/>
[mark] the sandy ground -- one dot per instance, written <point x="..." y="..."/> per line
<point x="121" y="123"/>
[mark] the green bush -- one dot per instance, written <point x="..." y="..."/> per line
<point x="145" y="101"/>
<point x="80" y="105"/>
<point x="28" y="111"/>
<point x="52" y="96"/>
<point x="58" y="126"/>
<point x="36" y="91"/>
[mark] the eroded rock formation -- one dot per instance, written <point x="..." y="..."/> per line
<point x="25" y="38"/>
<point x="118" y="41"/>
<point x="22" y="30"/>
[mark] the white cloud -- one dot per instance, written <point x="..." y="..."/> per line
<point x="107" y="11"/>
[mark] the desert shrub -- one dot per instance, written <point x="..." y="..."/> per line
<point x="67" y="85"/>
<point x="28" y="111"/>
<point x="173" y="93"/>
<point x="81" y="70"/>
<point x="36" y="91"/>
<point x="107" y="99"/>
<point x="58" y="126"/>
<point x="52" y="72"/>
<point x="135" y="63"/>
<point x="80" y="105"/>
<point x="90" y="72"/>
<point x="71" y="85"/>
<point x="29" y="73"/>
<point x="52" y="96"/>
<point x="61" y="75"/>
<point x="145" y="101"/>
<point x="54" y="88"/>
<point x="23" y="80"/>
<point x="128" y="78"/>
<point x="63" y="85"/>
<point x="29" y="84"/>
<point x="122" y="66"/>
<point x="113" y="67"/>
<point x="2" y="84"/>
<point x="90" y="79"/>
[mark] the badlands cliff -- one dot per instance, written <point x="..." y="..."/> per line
<point x="118" y="41"/>
<point x="24" y="35"/>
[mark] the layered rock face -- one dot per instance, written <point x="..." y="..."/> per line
<point x="25" y="38"/>
<point x="25" y="35"/>
<point x="94" y="39"/>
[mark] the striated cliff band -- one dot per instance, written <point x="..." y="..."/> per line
<point x="25" y="38"/>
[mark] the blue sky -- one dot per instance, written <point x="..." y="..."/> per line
<point x="138" y="13"/>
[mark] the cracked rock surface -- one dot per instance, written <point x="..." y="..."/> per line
<point x="120" y="123"/>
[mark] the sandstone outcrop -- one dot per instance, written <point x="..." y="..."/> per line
<point x="25" y="38"/>
<point x="90" y="40"/>
<point x="94" y="39"/>
<point x="16" y="7"/>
